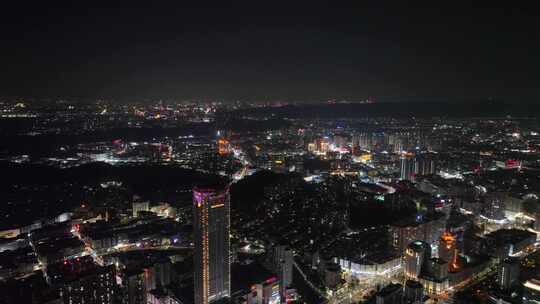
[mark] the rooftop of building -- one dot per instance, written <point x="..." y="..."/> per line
<point x="438" y="261"/>
<point x="28" y="290"/>
<point x="415" y="221"/>
<point x="510" y="236"/>
<point x="243" y="276"/>
<point x="413" y="284"/>
<point x="511" y="260"/>
<point x="441" y="182"/>
<point x="9" y="240"/>
<point x="212" y="185"/>
<point x="389" y="289"/>
<point x="377" y="258"/>
<point x="76" y="268"/>
<point x="132" y="229"/>
<point x="12" y="258"/>
<point x="372" y="188"/>
<point x="55" y="246"/>
<point x="357" y="247"/>
<point x="419" y="245"/>
<point x="50" y="231"/>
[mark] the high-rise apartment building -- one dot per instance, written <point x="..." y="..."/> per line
<point x="211" y="221"/>
<point x="81" y="280"/>
<point x="283" y="266"/>
<point x="407" y="167"/>
<point x="416" y="257"/>
<point x="508" y="273"/>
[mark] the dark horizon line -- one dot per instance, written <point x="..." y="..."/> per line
<point x="374" y="99"/>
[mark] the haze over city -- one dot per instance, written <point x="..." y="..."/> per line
<point x="287" y="51"/>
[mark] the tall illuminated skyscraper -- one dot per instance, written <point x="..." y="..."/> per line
<point x="211" y="221"/>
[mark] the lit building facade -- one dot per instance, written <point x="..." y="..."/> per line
<point x="532" y="291"/>
<point x="414" y="292"/>
<point x="386" y="267"/>
<point x="427" y="230"/>
<point x="266" y="292"/>
<point x="134" y="282"/>
<point x="223" y="146"/>
<point x="407" y="167"/>
<point x="413" y="165"/>
<point x="435" y="280"/>
<point x="139" y="207"/>
<point x="283" y="265"/>
<point x="211" y="220"/>
<point x="94" y="286"/>
<point x="508" y="273"/>
<point x="448" y="251"/>
<point x="416" y="257"/>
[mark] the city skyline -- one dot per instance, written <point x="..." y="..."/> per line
<point x="269" y="153"/>
<point x="245" y="203"/>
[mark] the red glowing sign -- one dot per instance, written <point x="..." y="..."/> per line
<point x="271" y="280"/>
<point x="512" y="163"/>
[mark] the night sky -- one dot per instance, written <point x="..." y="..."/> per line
<point x="284" y="51"/>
